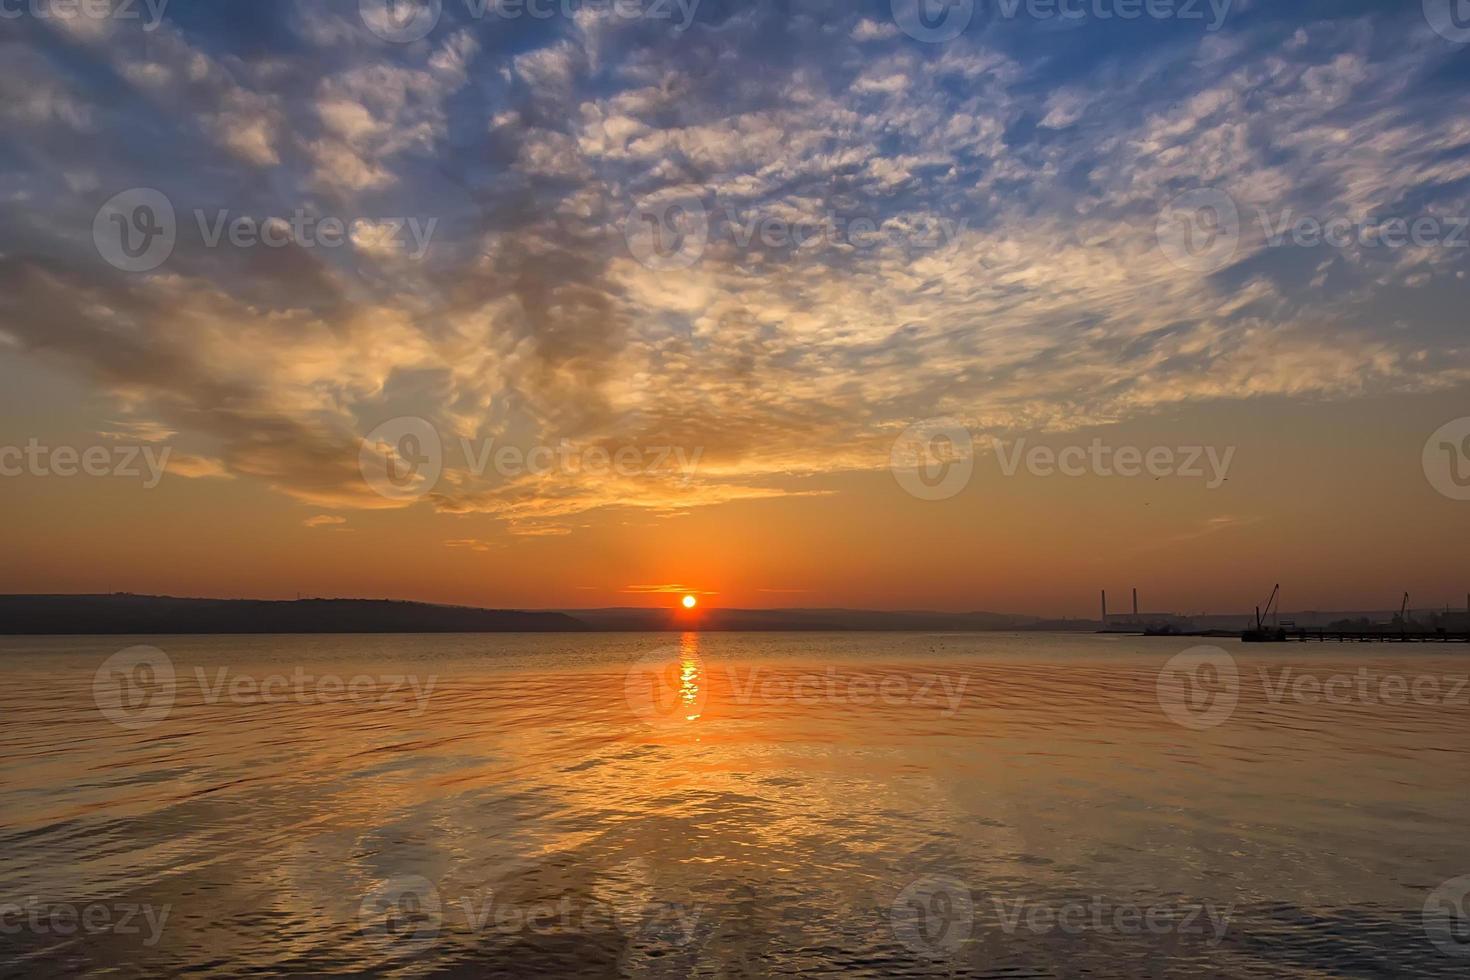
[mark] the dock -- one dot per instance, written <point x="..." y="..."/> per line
<point x="1325" y="635"/>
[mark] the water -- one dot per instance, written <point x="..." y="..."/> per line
<point x="730" y="805"/>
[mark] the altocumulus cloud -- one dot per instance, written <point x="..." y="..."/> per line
<point x="1047" y="155"/>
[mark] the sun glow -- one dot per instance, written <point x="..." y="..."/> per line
<point x="690" y="602"/>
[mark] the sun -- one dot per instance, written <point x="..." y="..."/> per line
<point x="690" y="602"/>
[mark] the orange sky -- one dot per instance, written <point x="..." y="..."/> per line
<point x="755" y="305"/>
<point x="1329" y="498"/>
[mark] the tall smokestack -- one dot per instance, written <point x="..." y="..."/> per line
<point x="1105" y="606"/>
<point x="1135" y="602"/>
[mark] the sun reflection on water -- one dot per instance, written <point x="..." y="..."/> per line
<point x="690" y="674"/>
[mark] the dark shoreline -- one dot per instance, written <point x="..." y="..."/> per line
<point x="127" y="614"/>
<point x="112" y="615"/>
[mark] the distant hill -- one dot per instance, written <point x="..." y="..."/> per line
<point x="756" y="620"/>
<point x="140" y="614"/>
<point x="124" y="613"/>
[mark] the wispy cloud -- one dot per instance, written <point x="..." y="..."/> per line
<point x="1047" y="304"/>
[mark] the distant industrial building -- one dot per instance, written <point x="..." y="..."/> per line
<point x="1136" y="622"/>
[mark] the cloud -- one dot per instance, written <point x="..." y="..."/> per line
<point x="663" y="590"/>
<point x="872" y="30"/>
<point x="1011" y="275"/>
<point x="197" y="467"/>
<point x="469" y="544"/>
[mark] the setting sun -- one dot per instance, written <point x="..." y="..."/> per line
<point x="690" y="602"/>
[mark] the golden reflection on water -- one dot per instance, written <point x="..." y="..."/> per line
<point x="788" y="788"/>
<point x="690" y="671"/>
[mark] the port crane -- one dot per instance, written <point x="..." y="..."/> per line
<point x="1273" y="601"/>
<point x="1273" y="610"/>
<point x="1270" y="628"/>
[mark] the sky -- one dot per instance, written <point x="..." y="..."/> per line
<point x="977" y="305"/>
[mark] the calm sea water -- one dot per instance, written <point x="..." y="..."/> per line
<point x="731" y="805"/>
